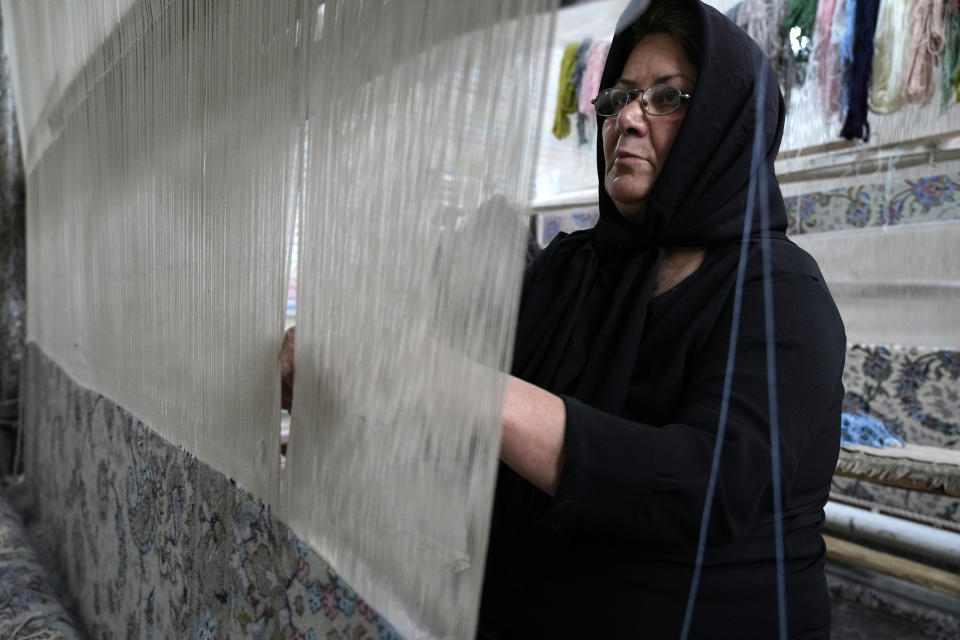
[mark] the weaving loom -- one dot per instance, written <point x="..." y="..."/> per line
<point x="169" y="148"/>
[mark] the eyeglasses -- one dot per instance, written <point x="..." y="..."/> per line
<point x="658" y="100"/>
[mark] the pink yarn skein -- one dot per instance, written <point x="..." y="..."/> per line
<point x="590" y="84"/>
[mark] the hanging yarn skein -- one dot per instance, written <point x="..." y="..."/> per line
<point x="577" y="81"/>
<point x="858" y="79"/>
<point x="591" y="77"/>
<point x="763" y="21"/>
<point x="566" y="93"/>
<point x="928" y="37"/>
<point x="848" y="35"/>
<point x="819" y="45"/>
<point x="951" y="49"/>
<point x="834" y="66"/>
<point x="891" y="43"/>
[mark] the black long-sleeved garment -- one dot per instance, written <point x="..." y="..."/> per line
<point x="612" y="554"/>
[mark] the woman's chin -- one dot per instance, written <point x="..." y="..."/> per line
<point x="631" y="211"/>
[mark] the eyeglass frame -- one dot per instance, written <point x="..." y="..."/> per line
<point x="633" y="94"/>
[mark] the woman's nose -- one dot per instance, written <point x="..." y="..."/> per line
<point x="633" y="119"/>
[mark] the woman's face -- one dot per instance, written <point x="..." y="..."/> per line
<point x="636" y="145"/>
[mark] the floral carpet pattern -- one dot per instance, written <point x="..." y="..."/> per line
<point x="154" y="544"/>
<point x="29" y="604"/>
<point x="874" y="205"/>
<point x="916" y="394"/>
<point x="568" y="222"/>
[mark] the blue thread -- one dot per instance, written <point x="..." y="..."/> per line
<point x="753" y="188"/>
<point x="727" y="379"/>
<point x="775" y="462"/>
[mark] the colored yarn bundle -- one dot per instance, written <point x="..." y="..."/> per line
<point x="590" y="85"/>
<point x="802" y="13"/>
<point x="891" y="43"/>
<point x="862" y="429"/>
<point x="819" y="46"/>
<point x="928" y="36"/>
<point x="951" y="50"/>
<point x="577" y="81"/>
<point x="858" y="78"/>
<point x="763" y="21"/>
<point x="834" y="64"/>
<point x="566" y="92"/>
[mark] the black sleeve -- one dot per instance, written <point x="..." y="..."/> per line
<point x="648" y="482"/>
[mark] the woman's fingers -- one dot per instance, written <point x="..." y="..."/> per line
<point x="287" y="368"/>
<point x="286" y="355"/>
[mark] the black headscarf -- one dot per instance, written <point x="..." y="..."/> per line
<point x="586" y="296"/>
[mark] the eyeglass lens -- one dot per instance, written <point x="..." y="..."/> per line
<point x="658" y="100"/>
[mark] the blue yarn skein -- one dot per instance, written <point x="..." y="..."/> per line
<point x="858" y="75"/>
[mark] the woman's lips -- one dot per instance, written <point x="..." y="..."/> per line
<point x="632" y="158"/>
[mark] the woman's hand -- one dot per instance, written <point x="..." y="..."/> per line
<point x="534" y="421"/>
<point x="287" y="368"/>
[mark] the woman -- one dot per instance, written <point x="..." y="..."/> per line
<point x="622" y="349"/>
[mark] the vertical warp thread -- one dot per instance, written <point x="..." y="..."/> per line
<point x="928" y="36"/>
<point x="409" y="257"/>
<point x="161" y="185"/>
<point x="858" y="79"/>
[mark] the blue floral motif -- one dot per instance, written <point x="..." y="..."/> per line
<point x="877" y="367"/>
<point x="346" y="596"/>
<point x="951" y="361"/>
<point x="805" y="208"/>
<point x="206" y="627"/>
<point x="302" y="548"/>
<point x="858" y="216"/>
<point x="314" y="597"/>
<point x="933" y="190"/>
<point x="551" y="229"/>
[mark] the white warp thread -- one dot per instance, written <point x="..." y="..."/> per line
<point x="409" y="316"/>
<point x="894" y="285"/>
<point x="174" y="143"/>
